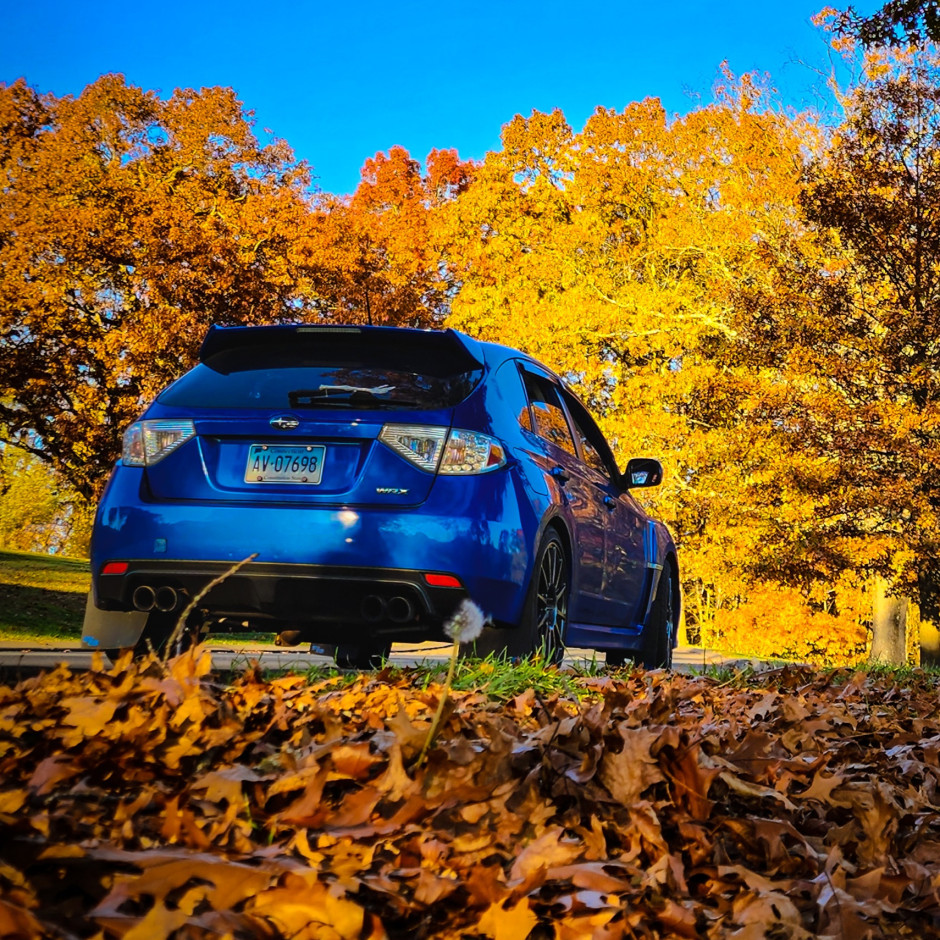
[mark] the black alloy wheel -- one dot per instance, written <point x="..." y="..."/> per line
<point x="545" y="615"/>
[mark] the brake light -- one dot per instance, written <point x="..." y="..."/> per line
<point x="114" y="567"/>
<point x="147" y="442"/>
<point x="470" y="452"/>
<point x="436" y="450"/>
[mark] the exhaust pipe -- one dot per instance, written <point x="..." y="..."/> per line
<point x="372" y="608"/>
<point x="144" y="597"/>
<point x="165" y="599"/>
<point x="400" y="610"/>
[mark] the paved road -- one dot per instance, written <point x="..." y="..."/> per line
<point x="16" y="660"/>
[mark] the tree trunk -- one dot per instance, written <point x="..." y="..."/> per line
<point x="929" y="644"/>
<point x="929" y="608"/>
<point x="889" y="625"/>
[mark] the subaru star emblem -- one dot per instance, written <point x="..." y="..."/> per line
<point x="284" y="422"/>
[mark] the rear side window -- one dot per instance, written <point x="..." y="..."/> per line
<point x="549" y="416"/>
<point x="291" y="376"/>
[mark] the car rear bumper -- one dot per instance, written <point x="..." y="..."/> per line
<point x="383" y="599"/>
<point x="317" y="565"/>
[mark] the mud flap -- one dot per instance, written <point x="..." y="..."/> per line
<point x="110" y="629"/>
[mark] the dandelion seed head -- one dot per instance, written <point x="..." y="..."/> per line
<point x="466" y="624"/>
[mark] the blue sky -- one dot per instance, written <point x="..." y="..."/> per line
<point x="340" y="82"/>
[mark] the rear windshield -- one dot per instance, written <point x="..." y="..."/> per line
<point x="285" y="377"/>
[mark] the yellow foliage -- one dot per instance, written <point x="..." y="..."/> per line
<point x="780" y="622"/>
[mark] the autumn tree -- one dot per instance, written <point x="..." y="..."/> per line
<point x="852" y="320"/>
<point x="897" y="22"/>
<point x="28" y="502"/>
<point x="128" y="224"/>
<point x="616" y="255"/>
<point x="374" y="251"/>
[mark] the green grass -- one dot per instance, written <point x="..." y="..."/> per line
<point x="496" y="677"/>
<point x="42" y="600"/>
<point x="42" y="597"/>
<point x="244" y="639"/>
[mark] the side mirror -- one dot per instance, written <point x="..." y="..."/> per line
<point x="642" y="471"/>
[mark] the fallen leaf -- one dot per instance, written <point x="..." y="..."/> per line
<point x="513" y="923"/>
<point x="632" y="770"/>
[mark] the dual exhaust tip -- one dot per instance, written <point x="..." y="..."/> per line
<point x="164" y="598"/>
<point x="374" y="607"/>
<point x="398" y="609"/>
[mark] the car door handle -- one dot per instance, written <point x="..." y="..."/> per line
<point x="610" y="503"/>
<point x="561" y="475"/>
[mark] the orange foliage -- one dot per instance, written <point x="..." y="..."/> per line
<point x="375" y="250"/>
<point x="154" y="801"/>
<point x="129" y="224"/>
<point x="616" y="255"/>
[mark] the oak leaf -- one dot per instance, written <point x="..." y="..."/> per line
<point x="547" y="851"/>
<point x="632" y="770"/>
<point x="513" y="923"/>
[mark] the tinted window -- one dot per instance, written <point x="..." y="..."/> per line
<point x="550" y="420"/>
<point x="589" y="452"/>
<point x="285" y="377"/>
<point x="525" y="419"/>
<point x="593" y="445"/>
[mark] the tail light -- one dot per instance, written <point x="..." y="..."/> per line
<point x="470" y="452"/>
<point x="435" y="449"/>
<point x="420" y="445"/>
<point x="146" y="442"/>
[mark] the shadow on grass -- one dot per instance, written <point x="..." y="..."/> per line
<point x="41" y="596"/>
<point x="39" y="612"/>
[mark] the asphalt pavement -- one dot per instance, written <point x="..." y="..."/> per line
<point x="17" y="660"/>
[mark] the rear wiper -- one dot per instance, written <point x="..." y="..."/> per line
<point x="372" y="389"/>
<point x="348" y="396"/>
<point x="337" y="394"/>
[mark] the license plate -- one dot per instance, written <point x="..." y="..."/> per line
<point x="285" y="463"/>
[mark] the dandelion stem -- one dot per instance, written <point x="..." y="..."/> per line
<point x="191" y="606"/>
<point x="441" y="703"/>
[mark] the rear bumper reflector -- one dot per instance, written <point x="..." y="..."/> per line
<point x="442" y="580"/>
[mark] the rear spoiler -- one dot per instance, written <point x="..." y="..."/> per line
<point x="433" y="352"/>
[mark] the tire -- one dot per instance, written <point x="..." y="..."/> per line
<point x="544" y="623"/>
<point x="159" y="630"/>
<point x="365" y="655"/>
<point x="660" y="631"/>
<point x="618" y="658"/>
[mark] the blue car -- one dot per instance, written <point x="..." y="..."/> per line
<point x="378" y="476"/>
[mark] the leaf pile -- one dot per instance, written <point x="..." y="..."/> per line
<point x="150" y="801"/>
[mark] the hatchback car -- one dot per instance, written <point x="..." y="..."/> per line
<point x="378" y="476"/>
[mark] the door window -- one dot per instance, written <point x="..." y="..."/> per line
<point x="589" y="452"/>
<point x="593" y="445"/>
